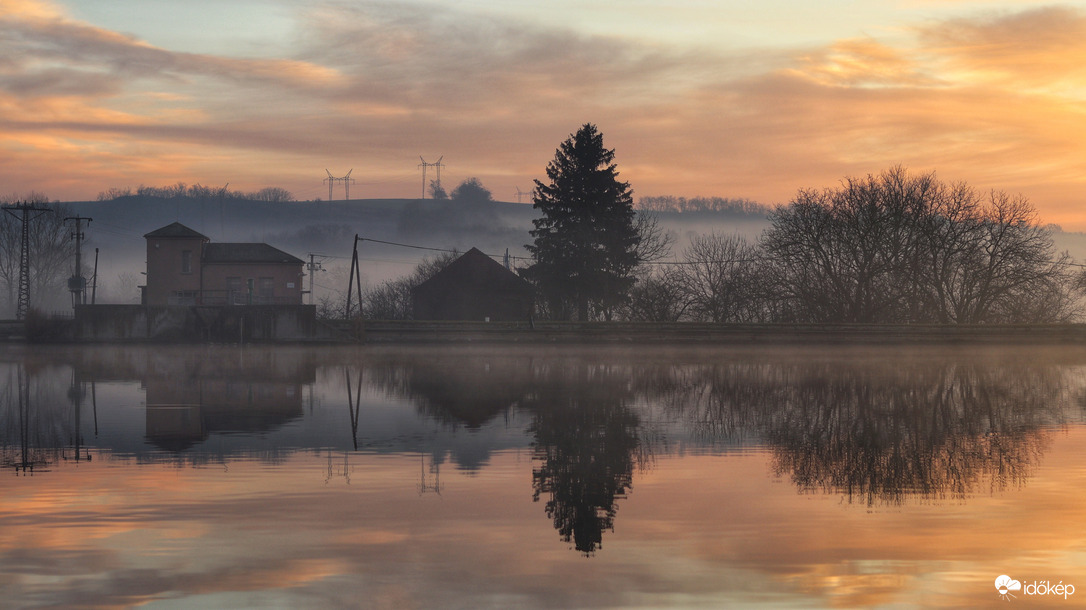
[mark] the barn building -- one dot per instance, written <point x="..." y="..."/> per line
<point x="184" y="268"/>
<point x="474" y="287"/>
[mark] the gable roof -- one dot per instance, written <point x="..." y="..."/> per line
<point x="474" y="270"/>
<point x="176" y="230"/>
<point x="247" y="253"/>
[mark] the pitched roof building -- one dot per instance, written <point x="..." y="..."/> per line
<point x="184" y="268"/>
<point x="473" y="287"/>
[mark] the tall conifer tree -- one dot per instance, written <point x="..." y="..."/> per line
<point x="586" y="240"/>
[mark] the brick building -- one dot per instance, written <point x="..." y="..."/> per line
<point x="184" y="268"/>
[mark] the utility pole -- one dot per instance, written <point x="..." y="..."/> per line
<point x="424" y="165"/>
<point x="77" y="284"/>
<point x="313" y="266"/>
<point x="24" y="208"/>
<point x="355" y="280"/>
<point x="94" y="282"/>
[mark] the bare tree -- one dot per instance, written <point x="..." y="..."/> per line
<point x="657" y="296"/>
<point x="902" y="248"/>
<point x="718" y="278"/>
<point x="391" y="300"/>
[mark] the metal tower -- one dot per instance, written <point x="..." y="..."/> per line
<point x="424" y="165"/>
<point x="24" y="209"/>
<point x="346" y="180"/>
<point x="77" y="284"/>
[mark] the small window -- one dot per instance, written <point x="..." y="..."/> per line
<point x="186" y="261"/>
<point x="267" y="287"/>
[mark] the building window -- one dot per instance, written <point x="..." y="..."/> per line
<point x="267" y="287"/>
<point x="186" y="261"/>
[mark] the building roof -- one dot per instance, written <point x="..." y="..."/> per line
<point x="247" y="253"/>
<point x="474" y="270"/>
<point x="176" y="230"/>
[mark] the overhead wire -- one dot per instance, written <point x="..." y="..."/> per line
<point x="701" y="262"/>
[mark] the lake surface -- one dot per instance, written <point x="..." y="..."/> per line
<point x="542" y="477"/>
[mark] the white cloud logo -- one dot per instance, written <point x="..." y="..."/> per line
<point x="1004" y="584"/>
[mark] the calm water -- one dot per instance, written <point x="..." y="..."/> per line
<point x="547" y="477"/>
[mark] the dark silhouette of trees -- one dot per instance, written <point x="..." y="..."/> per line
<point x="391" y="300"/>
<point x="437" y="191"/>
<point x="586" y="241"/>
<point x="197" y="192"/>
<point x="720" y="279"/>
<point x="471" y="191"/>
<point x="657" y="296"/>
<point x="908" y="248"/>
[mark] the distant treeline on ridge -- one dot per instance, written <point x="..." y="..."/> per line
<point x="670" y="203"/>
<point x="196" y="191"/>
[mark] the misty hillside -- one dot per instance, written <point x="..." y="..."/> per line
<point x="327" y="228"/>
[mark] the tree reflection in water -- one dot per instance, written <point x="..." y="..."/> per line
<point x="585" y="439"/>
<point x="585" y="434"/>
<point x="882" y="429"/>
<point x="878" y="433"/>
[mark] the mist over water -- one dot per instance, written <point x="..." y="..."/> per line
<point x="752" y="460"/>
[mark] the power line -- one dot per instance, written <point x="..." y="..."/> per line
<point x="700" y="262"/>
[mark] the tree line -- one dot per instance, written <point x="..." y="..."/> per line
<point x="197" y="191"/>
<point x="886" y="248"/>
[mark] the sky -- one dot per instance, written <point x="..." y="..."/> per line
<point x="727" y="98"/>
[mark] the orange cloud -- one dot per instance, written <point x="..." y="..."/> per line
<point x="995" y="101"/>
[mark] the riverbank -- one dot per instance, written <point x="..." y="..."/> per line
<point x="411" y="332"/>
<point x="393" y="332"/>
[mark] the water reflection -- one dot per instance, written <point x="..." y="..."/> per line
<point x="584" y="438"/>
<point x="872" y="428"/>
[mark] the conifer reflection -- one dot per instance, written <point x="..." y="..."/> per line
<point x="585" y="439"/>
<point x="585" y="435"/>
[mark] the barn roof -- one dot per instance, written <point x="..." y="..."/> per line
<point x="247" y="253"/>
<point x="474" y="270"/>
<point x="176" y="230"/>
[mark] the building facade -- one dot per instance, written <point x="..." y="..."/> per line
<point x="184" y="268"/>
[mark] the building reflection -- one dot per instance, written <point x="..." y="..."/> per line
<point x="183" y="411"/>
